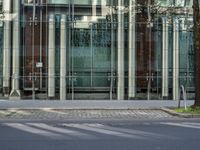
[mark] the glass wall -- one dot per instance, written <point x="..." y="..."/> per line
<point x="100" y="49"/>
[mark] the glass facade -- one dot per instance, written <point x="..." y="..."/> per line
<point x="96" y="49"/>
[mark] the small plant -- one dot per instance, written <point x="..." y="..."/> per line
<point x="192" y="110"/>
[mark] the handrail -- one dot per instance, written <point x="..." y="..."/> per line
<point x="184" y="96"/>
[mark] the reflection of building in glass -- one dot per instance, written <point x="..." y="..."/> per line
<point x="96" y="49"/>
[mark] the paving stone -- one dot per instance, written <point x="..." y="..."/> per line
<point x="83" y="114"/>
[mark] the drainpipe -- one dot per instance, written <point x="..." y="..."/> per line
<point x="6" y="47"/>
<point x="165" y="61"/>
<point x="175" y="58"/>
<point x="63" y="56"/>
<point x="120" y="51"/>
<point x="132" y="51"/>
<point x="51" y="57"/>
<point x="15" y="93"/>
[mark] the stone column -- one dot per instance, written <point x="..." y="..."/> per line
<point x="15" y="93"/>
<point x="51" y="57"/>
<point x="63" y="57"/>
<point x="175" y="59"/>
<point x="165" y="62"/>
<point x="120" y="51"/>
<point x="132" y="51"/>
<point x="7" y="47"/>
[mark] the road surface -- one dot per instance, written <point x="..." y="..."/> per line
<point x="168" y="134"/>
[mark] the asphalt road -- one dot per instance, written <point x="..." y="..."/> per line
<point x="181" y="134"/>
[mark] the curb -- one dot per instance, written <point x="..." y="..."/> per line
<point x="80" y="108"/>
<point x="182" y="115"/>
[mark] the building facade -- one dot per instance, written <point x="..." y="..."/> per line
<point x="96" y="49"/>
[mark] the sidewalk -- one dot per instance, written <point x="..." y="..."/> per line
<point x="90" y="104"/>
<point x="90" y="109"/>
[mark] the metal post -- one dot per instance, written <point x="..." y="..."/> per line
<point x="51" y="57"/>
<point x="120" y="50"/>
<point x="91" y="55"/>
<point x="112" y="53"/>
<point x="175" y="59"/>
<point x="165" y="58"/>
<point x="63" y="56"/>
<point x="6" y="47"/>
<point x="33" y="50"/>
<point x="15" y="93"/>
<point x="69" y="32"/>
<point x="132" y="52"/>
<point x="72" y="50"/>
<point x="41" y="41"/>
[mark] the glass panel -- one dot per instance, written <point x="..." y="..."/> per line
<point x="33" y="22"/>
<point x="165" y="2"/>
<point x="81" y="55"/>
<point x="187" y="57"/>
<point x="177" y="3"/>
<point x="58" y="1"/>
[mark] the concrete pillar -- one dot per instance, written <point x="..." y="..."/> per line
<point x="165" y="62"/>
<point x="94" y="10"/>
<point x="6" y="47"/>
<point x="63" y="57"/>
<point x="120" y="51"/>
<point x="15" y="92"/>
<point x="175" y="59"/>
<point x="103" y="8"/>
<point x="132" y="52"/>
<point x="51" y="57"/>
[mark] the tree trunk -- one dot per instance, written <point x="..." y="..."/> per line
<point x="197" y="51"/>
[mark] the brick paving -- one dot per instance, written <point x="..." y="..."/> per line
<point x="62" y="114"/>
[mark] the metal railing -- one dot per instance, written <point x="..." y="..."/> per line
<point x="184" y="93"/>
